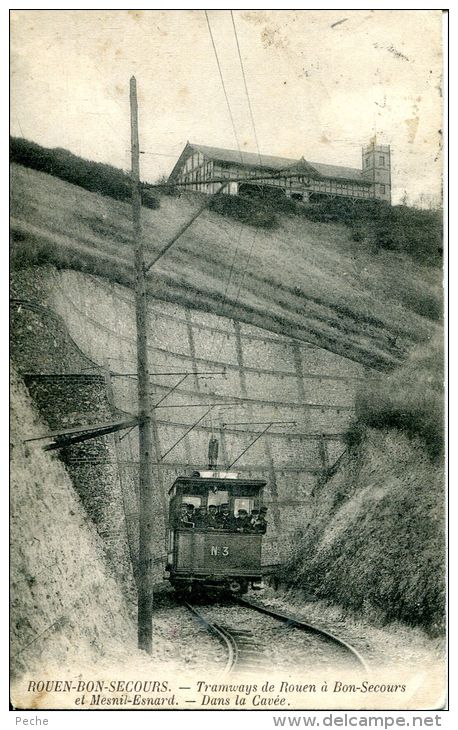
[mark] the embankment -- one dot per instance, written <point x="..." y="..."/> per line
<point x="66" y="607"/>
<point x="375" y="542"/>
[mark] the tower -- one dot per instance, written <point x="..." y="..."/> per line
<point x="376" y="167"/>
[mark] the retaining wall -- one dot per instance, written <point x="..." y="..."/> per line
<point x="267" y="377"/>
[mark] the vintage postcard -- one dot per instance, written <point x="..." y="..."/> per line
<point x="227" y="380"/>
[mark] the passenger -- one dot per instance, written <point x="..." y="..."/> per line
<point x="182" y="520"/>
<point x="261" y="522"/>
<point x="254" y="516"/>
<point x="190" y="513"/>
<point x="242" y="523"/>
<point x="201" y="517"/>
<point x="212" y="523"/>
<point x="224" y="518"/>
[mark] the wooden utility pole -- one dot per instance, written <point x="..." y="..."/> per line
<point x="145" y="561"/>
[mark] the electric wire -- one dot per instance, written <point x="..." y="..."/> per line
<point x="223" y="85"/>
<point x="246" y="88"/>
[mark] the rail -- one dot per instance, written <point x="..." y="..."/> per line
<point x="223" y="635"/>
<point x="304" y="626"/>
<point x="243" y="651"/>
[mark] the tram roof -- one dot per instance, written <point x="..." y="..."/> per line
<point x="210" y="482"/>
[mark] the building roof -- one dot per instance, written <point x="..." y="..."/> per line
<point x="269" y="162"/>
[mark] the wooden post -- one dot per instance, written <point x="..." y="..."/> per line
<point x="145" y="562"/>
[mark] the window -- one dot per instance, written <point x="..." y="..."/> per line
<point x="191" y="499"/>
<point x="381" y="160"/>
<point x="219" y="497"/>
<point x="243" y="503"/>
<point x="382" y="189"/>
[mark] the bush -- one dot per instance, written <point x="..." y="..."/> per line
<point x="167" y="188"/>
<point x="415" y="232"/>
<point x="394" y="228"/>
<point x="149" y="200"/>
<point x="27" y="252"/>
<point x="24" y="255"/>
<point x="250" y="211"/>
<point x="93" y="176"/>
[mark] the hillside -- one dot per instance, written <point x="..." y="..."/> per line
<point x="370" y="527"/>
<point x="304" y="279"/>
<point x="375" y="542"/>
<point x="61" y="613"/>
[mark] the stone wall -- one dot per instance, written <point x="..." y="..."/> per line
<point x="69" y="391"/>
<point x="266" y="377"/>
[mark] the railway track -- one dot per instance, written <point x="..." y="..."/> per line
<point x="310" y="628"/>
<point x="244" y="651"/>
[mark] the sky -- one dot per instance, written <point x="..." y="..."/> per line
<point x="320" y="83"/>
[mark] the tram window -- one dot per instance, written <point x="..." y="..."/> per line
<point x="191" y="499"/>
<point x="243" y="503"/>
<point x="218" y="498"/>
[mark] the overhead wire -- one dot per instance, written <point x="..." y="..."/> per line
<point x="246" y="88"/>
<point x="223" y="84"/>
<point x="248" y="259"/>
<point x="240" y="153"/>
<point x="214" y="343"/>
<point x="247" y="262"/>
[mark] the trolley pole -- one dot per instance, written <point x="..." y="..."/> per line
<point x="145" y="588"/>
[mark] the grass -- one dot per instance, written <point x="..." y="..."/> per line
<point x="306" y="279"/>
<point x="409" y="400"/>
<point x="94" y="176"/>
<point x="417" y="233"/>
<point x="375" y="543"/>
<point x="323" y="282"/>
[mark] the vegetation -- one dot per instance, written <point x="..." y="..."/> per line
<point x="415" y="232"/>
<point x="304" y="279"/>
<point x="167" y="188"/>
<point x="29" y="252"/>
<point x="250" y="211"/>
<point x="375" y="543"/>
<point x="379" y="551"/>
<point x="395" y="228"/>
<point x="384" y="553"/>
<point x="93" y="176"/>
<point x="410" y="399"/>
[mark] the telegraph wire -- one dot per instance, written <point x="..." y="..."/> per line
<point x="246" y="88"/>
<point x="225" y="295"/>
<point x="223" y="85"/>
<point x="224" y="299"/>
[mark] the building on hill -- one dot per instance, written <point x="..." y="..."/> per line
<point x="298" y="179"/>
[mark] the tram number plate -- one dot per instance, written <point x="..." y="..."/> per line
<point x="217" y="550"/>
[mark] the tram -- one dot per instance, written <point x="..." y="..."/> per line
<point x="223" y="557"/>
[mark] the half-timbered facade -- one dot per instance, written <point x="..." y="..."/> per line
<point x="203" y="169"/>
